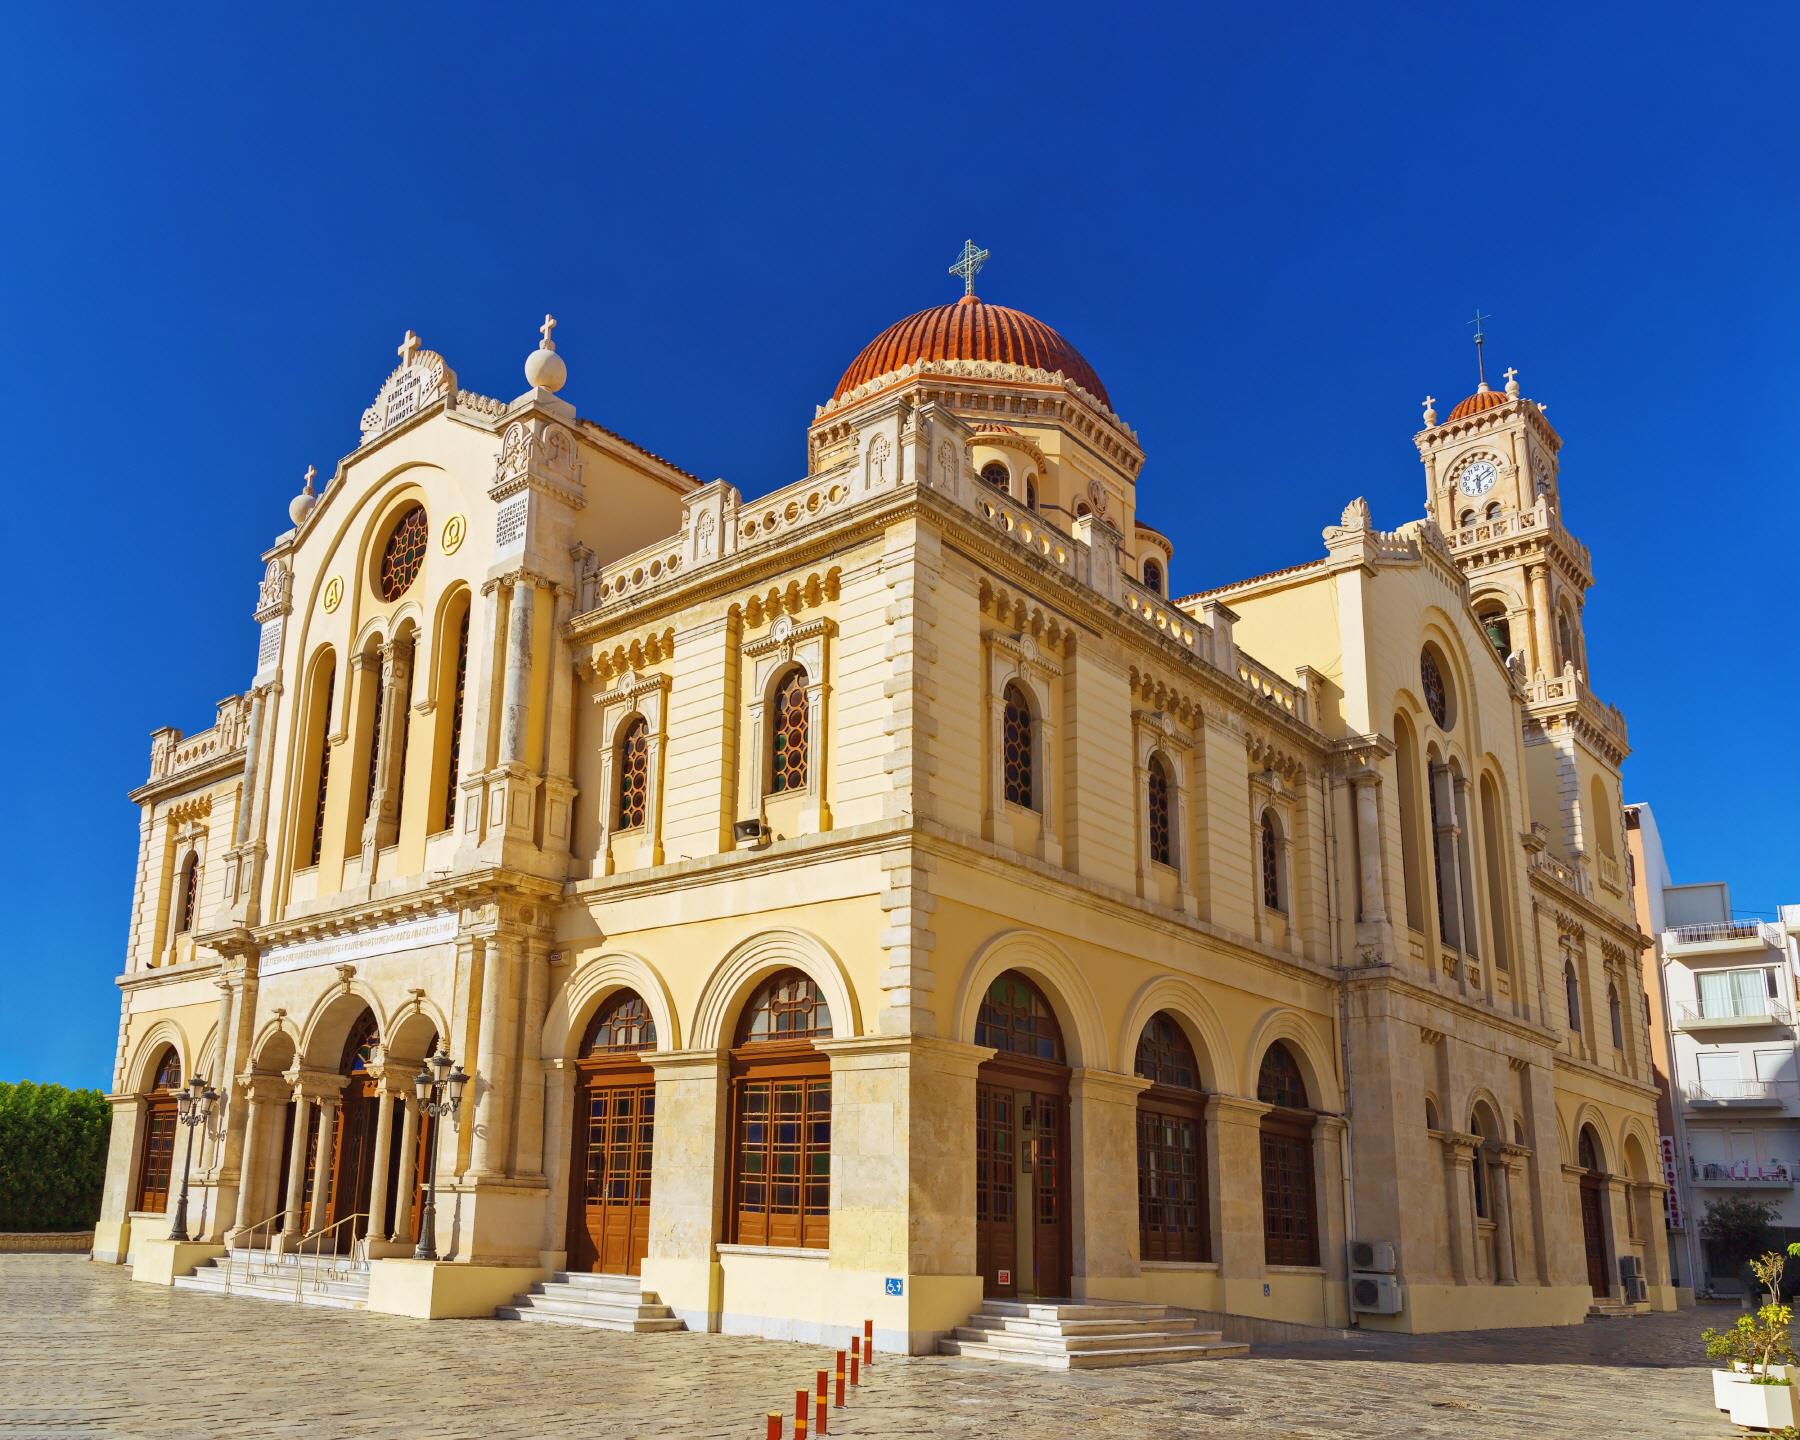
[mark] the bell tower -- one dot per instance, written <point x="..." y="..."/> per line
<point x="1491" y="484"/>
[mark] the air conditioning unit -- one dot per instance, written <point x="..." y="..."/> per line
<point x="751" y="834"/>
<point x="1631" y="1280"/>
<point x="1373" y="1294"/>
<point x="1376" y="1256"/>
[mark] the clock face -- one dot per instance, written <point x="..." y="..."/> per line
<point x="1479" y="478"/>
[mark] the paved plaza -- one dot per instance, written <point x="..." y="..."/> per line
<point x="85" y="1352"/>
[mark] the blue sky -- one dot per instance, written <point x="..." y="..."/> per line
<point x="1266" y="228"/>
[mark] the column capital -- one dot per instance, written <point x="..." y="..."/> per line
<point x="1098" y="1084"/>
<point x="683" y="1064"/>
<point x="1236" y="1110"/>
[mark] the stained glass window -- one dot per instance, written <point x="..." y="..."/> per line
<point x="404" y="555"/>
<point x="1164" y="1056"/>
<point x="1030" y="494"/>
<point x="1172" y="1186"/>
<point x="1015" y="748"/>
<point x="190" y="893"/>
<point x="633" y="765"/>
<point x="359" y="1048"/>
<point x="1153" y="576"/>
<point x="1016" y="1019"/>
<point x="1587" y="1154"/>
<point x="1290" y="1234"/>
<point x="786" y="1006"/>
<point x="994" y="473"/>
<point x="1279" y="1081"/>
<point x="1572" y="995"/>
<point x="318" y="829"/>
<point x="168" y="1071"/>
<point x="1162" y="850"/>
<point x="788" y="750"/>
<point x="1437" y="699"/>
<point x="1271" y="864"/>
<point x="454" y="774"/>
<point x="621" y="1026"/>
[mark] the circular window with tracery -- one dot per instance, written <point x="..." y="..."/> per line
<point x="1437" y="696"/>
<point x="404" y="555"/>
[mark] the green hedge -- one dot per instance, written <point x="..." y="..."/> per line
<point x="52" y="1156"/>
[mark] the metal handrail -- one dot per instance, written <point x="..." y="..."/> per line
<point x="319" y="1250"/>
<point x="231" y="1256"/>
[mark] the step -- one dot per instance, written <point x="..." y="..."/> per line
<point x="594" y="1294"/>
<point x="622" y="1284"/>
<point x="589" y="1321"/>
<point x="328" y="1299"/>
<point x="1073" y="1310"/>
<point x="1092" y="1360"/>
<point x="623" y="1309"/>
<point x="1082" y="1344"/>
<point x="1024" y="1325"/>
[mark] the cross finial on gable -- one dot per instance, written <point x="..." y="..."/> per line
<point x="310" y="472"/>
<point x="1510" y="372"/>
<point x="408" y="348"/>
<point x="968" y="265"/>
<point x="545" y="329"/>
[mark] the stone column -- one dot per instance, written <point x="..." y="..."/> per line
<point x="328" y="1107"/>
<point x="528" y="1078"/>
<point x="1647" y="1195"/>
<point x="295" y="1223"/>
<point x="1612" y="1213"/>
<point x="409" y="1165"/>
<point x="1234" y="1178"/>
<point x="1366" y="785"/>
<point x="687" y="1181"/>
<point x="1469" y="911"/>
<point x="259" y="1108"/>
<point x="124" y="1150"/>
<point x="378" y="1182"/>
<point x="493" y="1066"/>
<point x="215" y="1128"/>
<point x="1449" y="869"/>
<point x="1543" y="633"/>
<point x="1334" y="1246"/>
<point x="241" y="831"/>
<point x="383" y="826"/>
<point x="1104" y="1172"/>
<point x="515" y="698"/>
<point x="1505" y="1253"/>
<point x="1459" y="1197"/>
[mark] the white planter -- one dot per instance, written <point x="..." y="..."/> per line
<point x="1725" y="1385"/>
<point x="1762" y="1407"/>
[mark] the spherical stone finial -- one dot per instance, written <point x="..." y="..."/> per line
<point x="1512" y="380"/>
<point x="1430" y="410"/>
<point x="544" y="368"/>
<point x="301" y="505"/>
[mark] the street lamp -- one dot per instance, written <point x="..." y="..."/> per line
<point x="439" y="1086"/>
<point x="193" y="1107"/>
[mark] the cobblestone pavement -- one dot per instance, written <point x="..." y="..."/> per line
<point x="85" y="1352"/>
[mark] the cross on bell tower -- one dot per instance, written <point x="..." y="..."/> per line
<point x="408" y="348"/>
<point x="1480" y="340"/>
<point x="968" y="265"/>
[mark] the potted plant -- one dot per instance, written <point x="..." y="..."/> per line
<point x="1733" y="1347"/>
<point x="1765" y="1401"/>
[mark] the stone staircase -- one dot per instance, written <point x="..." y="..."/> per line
<point x="1072" y="1335"/>
<point x="335" y="1281"/>
<point x="592" y="1302"/>
<point x="1616" y="1310"/>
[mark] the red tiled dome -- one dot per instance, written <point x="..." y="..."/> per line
<point x="971" y="330"/>
<point x="1482" y="399"/>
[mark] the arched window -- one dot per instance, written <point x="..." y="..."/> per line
<point x="1587" y="1153"/>
<point x="632" y="766"/>
<point x="1153" y="577"/>
<point x="1601" y="819"/>
<point x="1016" y="748"/>
<point x="1437" y="694"/>
<point x="1172" y="1219"/>
<point x="1274" y="887"/>
<point x="360" y="1046"/>
<point x="459" y="688"/>
<point x="404" y="554"/>
<point x="790" y="733"/>
<point x="1162" y="843"/>
<point x="1498" y="630"/>
<point x="995" y="474"/>
<point x="1467" y="518"/>
<point x="1492" y="852"/>
<point x="1565" y="639"/>
<point x="1016" y="1019"/>
<point x="322" y="750"/>
<point x="1493" y="510"/>
<point x="1030" y="493"/>
<point x="1290" y="1215"/>
<point x="1615" y="1013"/>
<point x="1483" y="1124"/>
<point x="187" y="900"/>
<point x="1431" y="1113"/>
<point x="374" y="739"/>
<point x="156" y="1159"/>
<point x="1406" y="768"/>
<point x="622" y="1026"/>
<point x="1083" y="508"/>
<point x="1572" y="994"/>
<point x="781" y="1110"/>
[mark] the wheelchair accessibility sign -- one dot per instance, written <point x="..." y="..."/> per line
<point x="895" y="1285"/>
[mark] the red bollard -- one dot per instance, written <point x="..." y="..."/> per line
<point x="855" y="1363"/>
<point x="774" y="1430"/>
<point x="800" y="1428"/>
<point x="840" y="1380"/>
<point x="802" y="1402"/>
<point x="819" y="1423"/>
<point x="869" y="1343"/>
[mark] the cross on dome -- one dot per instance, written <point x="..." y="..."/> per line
<point x="545" y="329"/>
<point x="408" y="348"/>
<point x="968" y="265"/>
<point x="1480" y="339"/>
<point x="310" y="472"/>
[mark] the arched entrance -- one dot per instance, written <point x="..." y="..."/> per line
<point x="1593" y="1212"/>
<point x="1172" y="1218"/>
<point x="353" y="1145"/>
<point x="614" y="1131"/>
<point x="156" y="1161"/>
<point x="1021" y="1144"/>
<point x="781" y="1117"/>
<point x="1289" y="1192"/>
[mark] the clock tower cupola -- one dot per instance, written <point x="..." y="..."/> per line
<point x="1491" y="484"/>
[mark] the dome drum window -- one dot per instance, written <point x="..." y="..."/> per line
<point x="404" y="554"/>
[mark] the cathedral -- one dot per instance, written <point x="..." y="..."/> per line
<point x="886" y="894"/>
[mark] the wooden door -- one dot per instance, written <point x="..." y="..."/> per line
<point x="1593" y="1236"/>
<point x="352" y="1166"/>
<point x="614" y="1143"/>
<point x="996" y="1209"/>
<point x="158" y="1162"/>
<point x="1049" y="1140"/>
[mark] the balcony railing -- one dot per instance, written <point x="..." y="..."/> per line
<point x="1689" y="1016"/>
<point x="1711" y="1093"/>
<point x="1723" y="932"/>
<point x="1741" y="1176"/>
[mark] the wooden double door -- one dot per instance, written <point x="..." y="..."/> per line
<point x="1593" y="1234"/>
<point x="609" y="1191"/>
<point x="1022" y="1178"/>
<point x="350" y="1175"/>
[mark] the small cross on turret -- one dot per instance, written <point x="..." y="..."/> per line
<point x="968" y="264"/>
<point x="408" y="348"/>
<point x="545" y="329"/>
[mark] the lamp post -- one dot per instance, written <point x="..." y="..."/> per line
<point x="193" y="1108"/>
<point x="439" y="1086"/>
